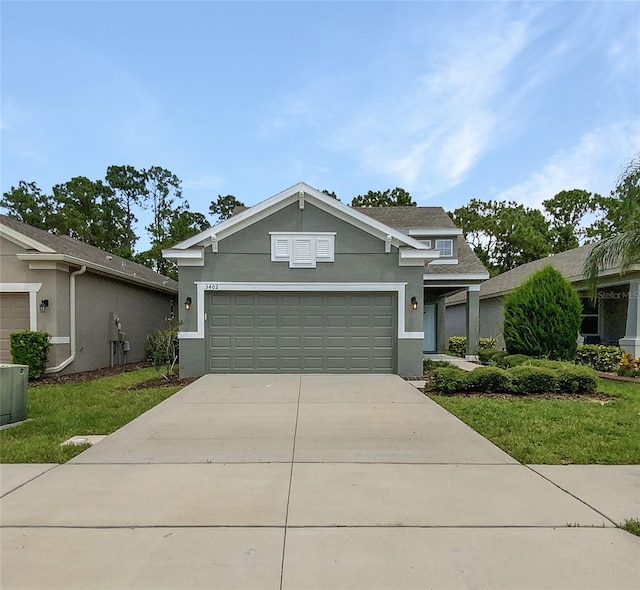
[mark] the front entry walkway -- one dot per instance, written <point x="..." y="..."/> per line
<point x="303" y="482"/>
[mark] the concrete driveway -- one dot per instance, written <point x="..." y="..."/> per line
<point x="304" y="482"/>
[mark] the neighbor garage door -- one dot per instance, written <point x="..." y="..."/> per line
<point x="301" y="332"/>
<point x="14" y="317"/>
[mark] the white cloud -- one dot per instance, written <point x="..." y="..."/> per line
<point x="593" y="164"/>
<point x="434" y="134"/>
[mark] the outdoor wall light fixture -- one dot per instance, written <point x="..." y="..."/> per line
<point x="414" y="303"/>
<point x="43" y="305"/>
<point x="187" y="303"/>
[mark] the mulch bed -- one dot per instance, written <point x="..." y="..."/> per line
<point x="88" y="375"/>
<point x="596" y="396"/>
<point x="588" y="397"/>
<point x="614" y="377"/>
<point x="154" y="382"/>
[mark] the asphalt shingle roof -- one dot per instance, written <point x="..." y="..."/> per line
<point x="111" y="263"/>
<point x="406" y="218"/>
<point x="409" y="217"/>
<point x="570" y="263"/>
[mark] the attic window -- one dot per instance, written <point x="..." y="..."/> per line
<point x="302" y="249"/>
<point x="445" y="247"/>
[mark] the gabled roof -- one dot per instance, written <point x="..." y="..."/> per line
<point x="406" y="219"/>
<point x="43" y="246"/>
<point x="570" y="263"/>
<point x="251" y="215"/>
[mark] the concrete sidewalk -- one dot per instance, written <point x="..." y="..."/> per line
<point x="300" y="482"/>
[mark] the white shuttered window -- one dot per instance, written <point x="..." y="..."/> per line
<point x="302" y="249"/>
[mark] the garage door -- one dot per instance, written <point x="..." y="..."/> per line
<point x="301" y="332"/>
<point x="14" y="316"/>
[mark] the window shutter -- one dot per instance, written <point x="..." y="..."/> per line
<point x="302" y="251"/>
<point x="282" y="248"/>
<point x="323" y="249"/>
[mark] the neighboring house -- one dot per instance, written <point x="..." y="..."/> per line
<point x="612" y="318"/>
<point x="97" y="307"/>
<point x="302" y="283"/>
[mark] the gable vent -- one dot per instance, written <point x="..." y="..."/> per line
<point x="302" y="249"/>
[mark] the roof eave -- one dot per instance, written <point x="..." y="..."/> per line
<point x="98" y="268"/>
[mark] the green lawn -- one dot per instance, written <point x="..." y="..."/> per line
<point x="558" y="431"/>
<point x="58" y="412"/>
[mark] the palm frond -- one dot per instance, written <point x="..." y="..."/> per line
<point x="621" y="250"/>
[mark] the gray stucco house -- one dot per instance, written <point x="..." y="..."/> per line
<point x="303" y="283"/>
<point x="613" y="318"/>
<point x="97" y="307"/>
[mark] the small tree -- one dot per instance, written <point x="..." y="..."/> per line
<point x="162" y="348"/>
<point x="542" y="317"/>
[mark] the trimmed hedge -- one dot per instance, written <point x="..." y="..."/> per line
<point x="599" y="357"/>
<point x="488" y="379"/>
<point x="515" y="360"/>
<point x="32" y="349"/>
<point x="541" y="376"/>
<point x="527" y="380"/>
<point x="449" y="379"/>
<point x="491" y="356"/>
<point x="457" y="345"/>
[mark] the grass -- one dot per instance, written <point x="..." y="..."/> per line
<point x="58" y="412"/>
<point x="558" y="432"/>
<point x="632" y="526"/>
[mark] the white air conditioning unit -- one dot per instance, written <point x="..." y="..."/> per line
<point x="13" y="393"/>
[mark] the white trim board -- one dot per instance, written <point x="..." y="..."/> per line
<point x="32" y="289"/>
<point x="287" y="197"/>
<point x="204" y="286"/>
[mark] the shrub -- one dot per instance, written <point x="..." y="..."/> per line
<point x="515" y="360"/>
<point x="429" y="364"/>
<point x="32" y="349"/>
<point x="488" y="379"/>
<point x="599" y="357"/>
<point x="629" y="367"/>
<point x="162" y="348"/>
<point x="457" y="345"/>
<point x="487" y="344"/>
<point x="449" y="379"/>
<point x="497" y="359"/>
<point x="527" y="380"/>
<point x="542" y="317"/>
<point x="487" y="354"/>
<point x="575" y="379"/>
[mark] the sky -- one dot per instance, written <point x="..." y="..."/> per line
<point x="449" y="100"/>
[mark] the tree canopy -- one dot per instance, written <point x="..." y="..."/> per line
<point x="397" y="197"/>
<point x="503" y="234"/>
<point x="223" y="207"/>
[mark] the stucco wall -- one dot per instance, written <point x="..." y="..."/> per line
<point x="140" y="311"/>
<point x="490" y="320"/>
<point x="246" y="257"/>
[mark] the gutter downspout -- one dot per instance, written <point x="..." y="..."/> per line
<point x="72" y="321"/>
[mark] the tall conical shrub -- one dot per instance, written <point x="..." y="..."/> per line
<point x="542" y="317"/>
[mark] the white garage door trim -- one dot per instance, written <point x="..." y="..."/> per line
<point x="398" y="288"/>
<point x="32" y="289"/>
